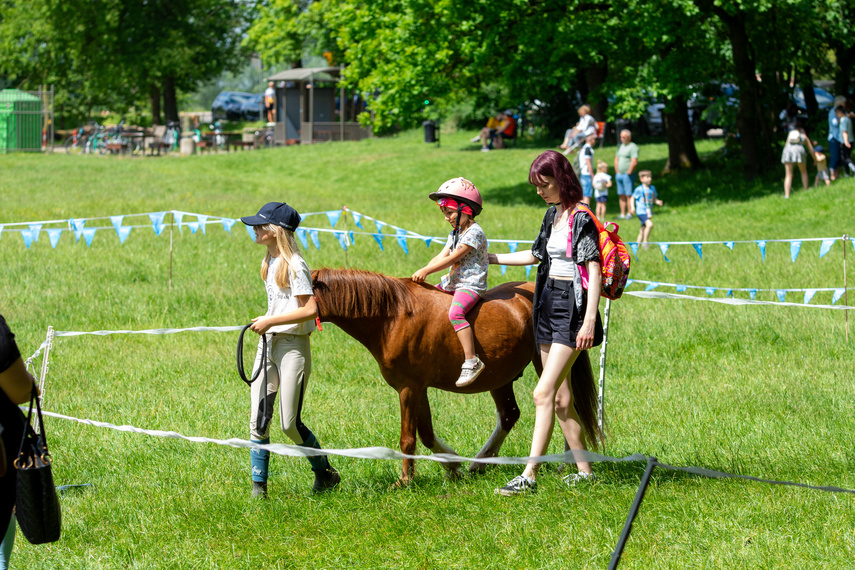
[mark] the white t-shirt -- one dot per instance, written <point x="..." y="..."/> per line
<point x="587" y="124"/>
<point x="269" y="96"/>
<point x="471" y="271"/>
<point x="280" y="301"/>
<point x="601" y="180"/>
<point x="556" y="248"/>
<point x="586" y="153"/>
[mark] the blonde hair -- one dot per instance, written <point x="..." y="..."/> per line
<point x="287" y="246"/>
<point x="601" y="164"/>
<point x="586" y="108"/>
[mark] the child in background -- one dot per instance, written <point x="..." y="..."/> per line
<point x="821" y="166"/>
<point x="586" y="171"/>
<point x="643" y="198"/>
<point x="466" y="255"/>
<point x="602" y="183"/>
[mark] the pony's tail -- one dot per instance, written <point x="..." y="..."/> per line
<point x="585" y="399"/>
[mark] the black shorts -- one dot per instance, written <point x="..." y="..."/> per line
<point x="560" y="321"/>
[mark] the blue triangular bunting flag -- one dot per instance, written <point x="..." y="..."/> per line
<point x="762" y="245"/>
<point x="194" y="227"/>
<point x="512" y="245"/>
<point x="527" y="271"/>
<point x="651" y="286"/>
<point x="314" y="235"/>
<point x="379" y="225"/>
<point x="203" y="221"/>
<point x="157" y="222"/>
<point x="301" y="235"/>
<point x="54" y="236"/>
<point x="117" y="222"/>
<point x="78" y="228"/>
<point x="357" y="218"/>
<point x="27" y="236"/>
<point x="88" y="235"/>
<point x="35" y="230"/>
<point x="826" y="245"/>
<point x="178" y="217"/>
<point x="782" y="295"/>
<point x="710" y="291"/>
<point x="634" y="247"/>
<point x="682" y="288"/>
<point x="379" y="239"/>
<point x="351" y="237"/>
<point x="729" y="245"/>
<point x="503" y="268"/>
<point x="663" y="247"/>
<point x="402" y="239"/>
<point x="697" y="247"/>
<point x="729" y="293"/>
<point x="228" y="223"/>
<point x="333" y="216"/>
<point x="795" y="248"/>
<point x="341" y="239"/>
<point x="809" y="293"/>
<point x="629" y="282"/>
<point x="836" y="297"/>
<point x="250" y="232"/>
<point x="123" y="232"/>
<point x="752" y="293"/>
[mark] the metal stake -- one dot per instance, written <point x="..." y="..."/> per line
<point x="627" y="527"/>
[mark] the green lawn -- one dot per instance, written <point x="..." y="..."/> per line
<point x="755" y="390"/>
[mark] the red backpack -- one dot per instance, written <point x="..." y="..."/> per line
<point x="613" y="252"/>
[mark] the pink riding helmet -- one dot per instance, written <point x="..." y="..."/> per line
<point x="461" y="190"/>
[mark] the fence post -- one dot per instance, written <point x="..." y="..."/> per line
<point x="601" y="412"/>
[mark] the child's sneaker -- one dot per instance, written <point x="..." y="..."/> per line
<point x="519" y="485"/>
<point x="580" y="477"/>
<point x="468" y="374"/>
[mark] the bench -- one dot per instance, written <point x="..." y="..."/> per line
<point x="117" y="147"/>
<point x="242" y="144"/>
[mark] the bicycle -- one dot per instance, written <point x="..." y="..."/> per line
<point x="76" y="142"/>
<point x="172" y="137"/>
<point x="264" y="137"/>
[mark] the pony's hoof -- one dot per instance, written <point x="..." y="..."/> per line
<point x="477" y="468"/>
<point x="400" y="484"/>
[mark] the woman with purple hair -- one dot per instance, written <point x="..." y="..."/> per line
<point x="565" y="316"/>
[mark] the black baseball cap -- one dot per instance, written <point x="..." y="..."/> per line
<point x="276" y="213"/>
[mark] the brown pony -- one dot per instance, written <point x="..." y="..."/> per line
<point x="405" y="326"/>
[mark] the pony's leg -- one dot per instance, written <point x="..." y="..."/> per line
<point x="430" y="440"/>
<point x="410" y="405"/>
<point x="507" y="414"/>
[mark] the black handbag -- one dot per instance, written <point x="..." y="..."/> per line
<point x="36" y="502"/>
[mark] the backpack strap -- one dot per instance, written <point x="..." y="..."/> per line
<point x="583" y="269"/>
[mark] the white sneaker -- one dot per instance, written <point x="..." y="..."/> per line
<point x="519" y="485"/>
<point x="468" y="374"/>
<point x="475" y="139"/>
<point x="580" y="477"/>
<point x="485" y="149"/>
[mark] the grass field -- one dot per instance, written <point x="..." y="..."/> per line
<point x="755" y="390"/>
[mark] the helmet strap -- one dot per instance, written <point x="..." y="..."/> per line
<point x="456" y="233"/>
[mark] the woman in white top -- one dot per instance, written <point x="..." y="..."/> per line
<point x="587" y="125"/>
<point x="794" y="153"/>
<point x="290" y="319"/>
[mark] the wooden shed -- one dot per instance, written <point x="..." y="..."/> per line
<point x="312" y="106"/>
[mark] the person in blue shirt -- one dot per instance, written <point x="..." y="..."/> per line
<point x="643" y="198"/>
<point x="834" y="137"/>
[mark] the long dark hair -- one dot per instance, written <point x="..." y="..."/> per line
<point x="556" y="165"/>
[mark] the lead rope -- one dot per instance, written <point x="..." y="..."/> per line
<point x="263" y="366"/>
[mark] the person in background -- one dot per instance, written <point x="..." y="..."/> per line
<point x="846" y="134"/>
<point x="626" y="159"/>
<point x="270" y="102"/>
<point x="821" y="166"/>
<point x="16" y="387"/>
<point x="586" y="171"/>
<point x="834" y="137"/>
<point x="643" y="199"/>
<point x="602" y="183"/>
<point x="573" y="137"/>
<point x="789" y="117"/>
<point x="506" y="131"/>
<point x="794" y="153"/>
<point x="491" y="126"/>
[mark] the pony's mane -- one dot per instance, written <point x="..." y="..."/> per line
<point x="355" y="294"/>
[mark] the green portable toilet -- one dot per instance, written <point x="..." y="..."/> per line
<point x="21" y="121"/>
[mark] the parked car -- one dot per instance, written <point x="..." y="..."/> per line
<point x="252" y="108"/>
<point x="228" y="106"/>
<point x="824" y="99"/>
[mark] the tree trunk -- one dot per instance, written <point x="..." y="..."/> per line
<point x="154" y="99"/>
<point x="595" y="76"/>
<point x="845" y="60"/>
<point x="170" y="101"/>
<point x="678" y="130"/>
<point x="806" y="83"/>
<point x="754" y="129"/>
